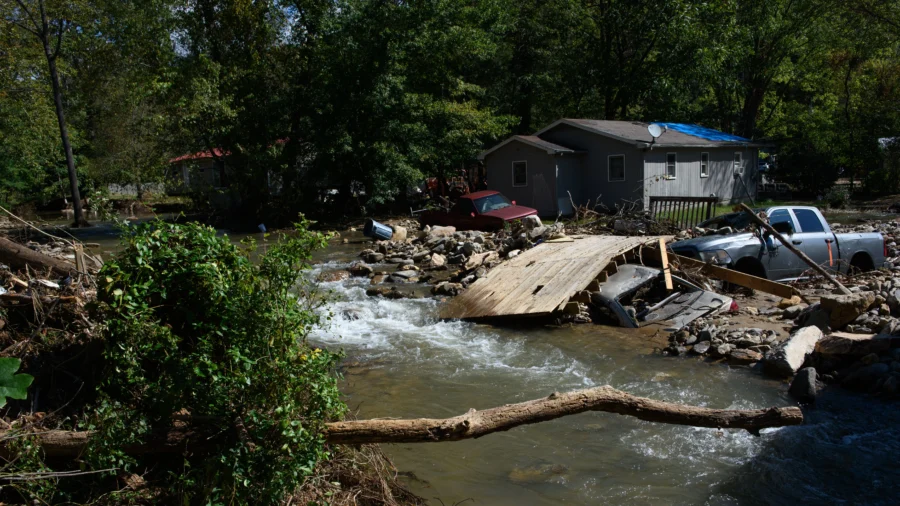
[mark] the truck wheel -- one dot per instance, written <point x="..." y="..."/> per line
<point x="861" y="262"/>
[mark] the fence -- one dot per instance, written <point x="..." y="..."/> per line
<point x="686" y="212"/>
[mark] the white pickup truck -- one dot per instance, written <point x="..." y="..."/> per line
<point x="805" y="227"/>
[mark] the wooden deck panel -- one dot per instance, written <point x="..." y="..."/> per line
<point x="539" y="280"/>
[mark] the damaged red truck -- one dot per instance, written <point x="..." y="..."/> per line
<point x="484" y="210"/>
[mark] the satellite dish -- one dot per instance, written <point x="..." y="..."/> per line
<point x="655" y="130"/>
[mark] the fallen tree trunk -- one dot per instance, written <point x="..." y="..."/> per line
<point x="475" y="424"/>
<point x="18" y="256"/>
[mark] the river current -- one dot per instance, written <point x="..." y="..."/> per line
<point x="403" y="362"/>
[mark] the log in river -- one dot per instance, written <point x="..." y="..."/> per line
<point x="475" y="424"/>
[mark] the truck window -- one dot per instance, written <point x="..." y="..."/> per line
<point x="463" y="207"/>
<point x="781" y="215"/>
<point x="809" y="221"/>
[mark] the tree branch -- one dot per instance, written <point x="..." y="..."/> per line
<point x="30" y="16"/>
<point x="474" y="424"/>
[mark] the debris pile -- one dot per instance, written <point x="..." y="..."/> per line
<point x="449" y="259"/>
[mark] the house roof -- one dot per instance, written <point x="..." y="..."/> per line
<point x="674" y="134"/>
<point x="531" y="140"/>
<point x="200" y="155"/>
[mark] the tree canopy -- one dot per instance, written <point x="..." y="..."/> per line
<point x="371" y="96"/>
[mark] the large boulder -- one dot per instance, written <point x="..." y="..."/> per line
<point x="845" y="343"/>
<point x="846" y="308"/>
<point x="788" y="357"/>
<point x="804" y="386"/>
<point x="814" y="316"/>
<point x="399" y="234"/>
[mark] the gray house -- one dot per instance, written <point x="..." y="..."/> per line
<point x="619" y="161"/>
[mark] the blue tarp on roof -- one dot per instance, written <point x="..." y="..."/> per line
<point x="703" y="132"/>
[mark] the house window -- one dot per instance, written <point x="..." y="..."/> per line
<point x="704" y="164"/>
<point x="671" y="161"/>
<point x="520" y="173"/>
<point x="616" y="167"/>
<point x="738" y="165"/>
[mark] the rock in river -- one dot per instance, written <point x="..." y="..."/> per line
<point x="331" y="276"/>
<point x="845" y="308"/>
<point x="788" y="357"/>
<point x="804" y="386"/>
<point x="740" y="356"/>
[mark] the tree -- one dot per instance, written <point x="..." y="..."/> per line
<point x="49" y="30"/>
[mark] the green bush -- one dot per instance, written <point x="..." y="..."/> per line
<point x="837" y="197"/>
<point x="194" y="328"/>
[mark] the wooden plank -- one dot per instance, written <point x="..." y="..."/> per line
<point x="738" y="278"/>
<point x="664" y="258"/>
<point x="542" y="279"/>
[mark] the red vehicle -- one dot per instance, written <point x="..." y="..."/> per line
<point x="484" y="210"/>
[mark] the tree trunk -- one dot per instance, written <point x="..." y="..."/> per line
<point x="474" y="424"/>
<point x="18" y="256"/>
<point x="63" y="131"/>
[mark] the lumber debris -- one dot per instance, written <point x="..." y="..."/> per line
<point x="542" y="279"/>
<point x="664" y="259"/>
<point x="735" y="277"/>
<point x="19" y="256"/>
<point x="787" y="244"/>
<point x="473" y="424"/>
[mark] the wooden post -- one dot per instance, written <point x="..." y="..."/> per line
<point x="79" y="258"/>
<point x="664" y="259"/>
<point x="787" y="244"/>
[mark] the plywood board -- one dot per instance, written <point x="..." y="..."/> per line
<point x="539" y="280"/>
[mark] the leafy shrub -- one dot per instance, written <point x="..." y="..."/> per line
<point x="837" y="197"/>
<point x="194" y="328"/>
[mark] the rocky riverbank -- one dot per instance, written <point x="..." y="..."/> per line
<point x="447" y="259"/>
<point x="827" y="338"/>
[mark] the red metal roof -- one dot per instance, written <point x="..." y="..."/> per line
<point x="200" y="155"/>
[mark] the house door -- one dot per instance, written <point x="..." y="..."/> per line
<point x="567" y="181"/>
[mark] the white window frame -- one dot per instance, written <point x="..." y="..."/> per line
<point x="704" y="165"/>
<point x="513" y="170"/>
<point x="738" y="163"/>
<point x="674" y="166"/>
<point x="609" y="168"/>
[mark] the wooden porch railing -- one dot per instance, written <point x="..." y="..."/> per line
<point x="685" y="212"/>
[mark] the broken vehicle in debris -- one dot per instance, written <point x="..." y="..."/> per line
<point x="762" y="256"/>
<point x="636" y="296"/>
<point x="484" y="210"/>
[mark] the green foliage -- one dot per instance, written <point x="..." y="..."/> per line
<point x="837" y="197"/>
<point x="194" y="327"/>
<point x="12" y="385"/>
<point x="369" y="97"/>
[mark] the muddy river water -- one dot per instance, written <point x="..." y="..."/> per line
<point x="403" y="362"/>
